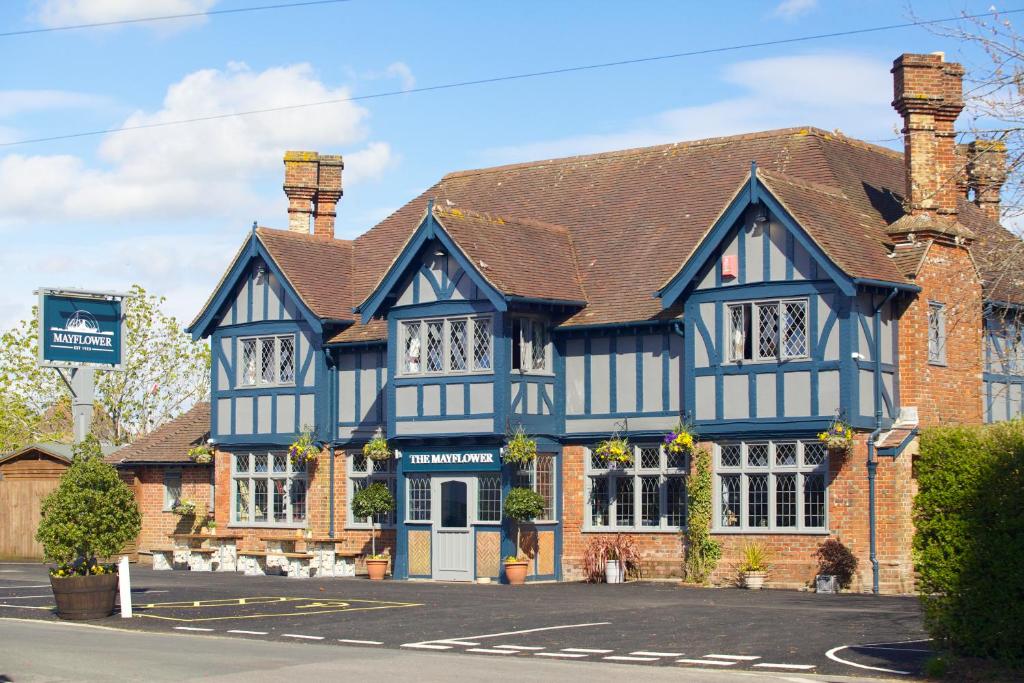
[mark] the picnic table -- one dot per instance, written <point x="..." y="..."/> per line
<point x="206" y="552"/>
<point x="309" y="556"/>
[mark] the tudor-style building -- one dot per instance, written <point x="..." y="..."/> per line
<point x="757" y="286"/>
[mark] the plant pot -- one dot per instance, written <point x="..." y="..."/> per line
<point x="377" y="569"/>
<point x="826" y="583"/>
<point x="84" y="597"/>
<point x="754" y="580"/>
<point x="515" y="572"/>
<point x="613" y="572"/>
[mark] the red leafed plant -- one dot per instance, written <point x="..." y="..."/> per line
<point x="604" y="548"/>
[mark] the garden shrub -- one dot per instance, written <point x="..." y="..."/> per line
<point x="969" y="541"/>
<point x="702" y="552"/>
<point x="837" y="560"/>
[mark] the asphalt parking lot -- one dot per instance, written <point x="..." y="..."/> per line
<point x="648" y="624"/>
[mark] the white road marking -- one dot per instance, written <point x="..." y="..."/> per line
<point x="427" y="646"/>
<point x="645" y="653"/>
<point x="622" y="658"/>
<point x="26" y="606"/>
<point x="831" y="654"/>
<point x="516" y="633"/>
<point x="26" y="597"/>
<point x="586" y="650"/>
<point x="40" y="585"/>
<point x="738" y="658"/>
<point x="193" y="628"/>
<point x="565" y="655"/>
<point x="360" y="642"/>
<point x="455" y="641"/>
<point x="704" y="662"/>
<point x="249" y="633"/>
<point x="520" y="647"/>
<point x="489" y="651"/>
<point x="794" y="667"/>
<point x="298" y="635"/>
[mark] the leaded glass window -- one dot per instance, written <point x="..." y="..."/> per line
<point x="936" y="333"/>
<point x="651" y="494"/>
<point x="457" y="346"/>
<point x="767" y="330"/>
<point x="363" y="472"/>
<point x="268" y="360"/>
<point x="450" y="346"/>
<point x="540" y="476"/>
<point x="267" y="490"/>
<point x="286" y="359"/>
<point x="489" y="498"/>
<point x="419" y="499"/>
<point x="435" y="346"/>
<point x="530" y="342"/>
<point x="250" y="357"/>
<point x="482" y="344"/>
<point x="794" y="329"/>
<point x="772" y="486"/>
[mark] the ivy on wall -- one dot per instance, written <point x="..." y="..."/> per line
<point x="702" y="552"/>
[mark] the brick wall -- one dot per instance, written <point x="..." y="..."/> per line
<point x="148" y="483"/>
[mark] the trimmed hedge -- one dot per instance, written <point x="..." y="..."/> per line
<point x="969" y="541"/>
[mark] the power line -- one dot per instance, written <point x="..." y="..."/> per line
<point x="500" y="79"/>
<point x="167" y="17"/>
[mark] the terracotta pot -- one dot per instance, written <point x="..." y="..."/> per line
<point x="515" y="572"/>
<point x="754" y="580"/>
<point x="84" y="597"/>
<point x="376" y="569"/>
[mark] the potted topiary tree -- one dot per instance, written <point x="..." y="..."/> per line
<point x="375" y="499"/>
<point x="754" y="568"/>
<point x="89" y="517"/>
<point x="521" y="505"/>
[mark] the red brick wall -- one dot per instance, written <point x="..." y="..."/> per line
<point x="792" y="555"/>
<point x="157" y="523"/>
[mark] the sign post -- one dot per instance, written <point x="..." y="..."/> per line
<point x="81" y="332"/>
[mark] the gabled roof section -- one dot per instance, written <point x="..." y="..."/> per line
<point x="315" y="271"/>
<point x="998" y="253"/>
<point x="169" y="443"/>
<point x="56" y="450"/>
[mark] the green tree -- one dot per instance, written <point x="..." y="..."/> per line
<point x="91" y="515"/>
<point x="165" y="373"/>
<point x="521" y="505"/>
<point x="375" y="499"/>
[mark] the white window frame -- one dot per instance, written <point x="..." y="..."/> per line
<point x="501" y="500"/>
<point x="375" y="471"/>
<point x="754" y="308"/>
<point x="529" y="327"/>
<point x="258" y="380"/>
<point x="420" y="325"/>
<point x="527" y="477"/>
<point x="637" y="473"/>
<point x="290" y="475"/>
<point x="937" y="321"/>
<point x="169" y="500"/>
<point x="771" y="470"/>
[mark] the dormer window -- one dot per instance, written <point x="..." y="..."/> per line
<point x="530" y="345"/>
<point x="767" y="330"/>
<point x="445" y="346"/>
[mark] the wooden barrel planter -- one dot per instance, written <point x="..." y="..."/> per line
<point x="80" y="598"/>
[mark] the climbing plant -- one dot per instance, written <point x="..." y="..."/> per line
<point x="702" y="552"/>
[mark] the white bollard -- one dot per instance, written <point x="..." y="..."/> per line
<point x="125" y="582"/>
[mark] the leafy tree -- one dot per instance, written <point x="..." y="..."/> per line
<point x="702" y="552"/>
<point x="165" y="372"/>
<point x="521" y="505"/>
<point x="92" y="513"/>
<point x="375" y="499"/>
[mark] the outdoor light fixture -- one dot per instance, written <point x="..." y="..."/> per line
<point x="261" y="273"/>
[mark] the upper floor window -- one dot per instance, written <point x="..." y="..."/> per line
<point x="768" y="330"/>
<point x="446" y="345"/>
<point x="530" y="345"/>
<point x="267" y="490"/>
<point x="771" y="486"/>
<point x="1006" y="344"/>
<point x="268" y="360"/>
<point x="650" y="494"/>
<point x="936" y="333"/>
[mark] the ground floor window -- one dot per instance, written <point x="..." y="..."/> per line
<point x="540" y="475"/>
<point x="172" y="489"/>
<point x="648" y="495"/>
<point x="771" y="486"/>
<point x="362" y="472"/>
<point x="267" y="490"/>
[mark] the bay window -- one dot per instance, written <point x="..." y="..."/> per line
<point x="445" y="346"/>
<point x="767" y="330"/>
<point x="649" y="495"/>
<point x="268" y="360"/>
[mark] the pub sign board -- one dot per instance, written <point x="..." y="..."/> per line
<point x="81" y="329"/>
<point x="452" y="460"/>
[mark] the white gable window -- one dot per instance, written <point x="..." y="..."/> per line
<point x="936" y="333"/>
<point x="451" y="346"/>
<point x="267" y="360"/>
<point x="767" y="330"/>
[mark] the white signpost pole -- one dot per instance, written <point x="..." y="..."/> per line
<point x="124" y="580"/>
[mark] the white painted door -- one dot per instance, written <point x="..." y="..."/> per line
<point x="453" y="500"/>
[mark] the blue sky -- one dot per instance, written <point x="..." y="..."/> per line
<point x="167" y="208"/>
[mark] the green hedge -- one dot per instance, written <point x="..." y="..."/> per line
<point x="969" y="541"/>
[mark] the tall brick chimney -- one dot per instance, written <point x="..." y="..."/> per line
<point x="986" y="173"/>
<point x="300" y="184"/>
<point x="928" y="94"/>
<point x="327" y="195"/>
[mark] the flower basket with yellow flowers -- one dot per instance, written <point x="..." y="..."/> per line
<point x="838" y="437"/>
<point x="615" y="452"/>
<point x="520" y="449"/>
<point x="303" y="450"/>
<point x="680" y="440"/>
<point x="377" y="448"/>
<point x="201" y="454"/>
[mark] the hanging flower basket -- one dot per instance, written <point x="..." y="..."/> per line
<point x="186" y="507"/>
<point x="520" y="449"/>
<point x="377" y="448"/>
<point x="201" y="454"/>
<point x="303" y="451"/>
<point x="680" y="440"/>
<point x="615" y="452"/>
<point x="838" y="437"/>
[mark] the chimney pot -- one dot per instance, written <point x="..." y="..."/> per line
<point x="986" y="173"/>
<point x="328" y="194"/>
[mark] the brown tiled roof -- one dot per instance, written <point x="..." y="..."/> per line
<point x="998" y="252"/>
<point x="170" y="442"/>
<point x="318" y="268"/>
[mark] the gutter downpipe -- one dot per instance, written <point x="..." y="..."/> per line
<point x="872" y="460"/>
<point x="330" y="530"/>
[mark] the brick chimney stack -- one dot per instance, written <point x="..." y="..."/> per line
<point x="300" y="184"/>
<point x="328" y="193"/>
<point x="986" y="173"/>
<point x="928" y="94"/>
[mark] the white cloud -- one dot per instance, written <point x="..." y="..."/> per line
<point x="402" y="71"/>
<point x="848" y="92"/>
<point x="13" y="102"/>
<point x="72" y="12"/>
<point x="791" y="9"/>
<point x="204" y="169"/>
